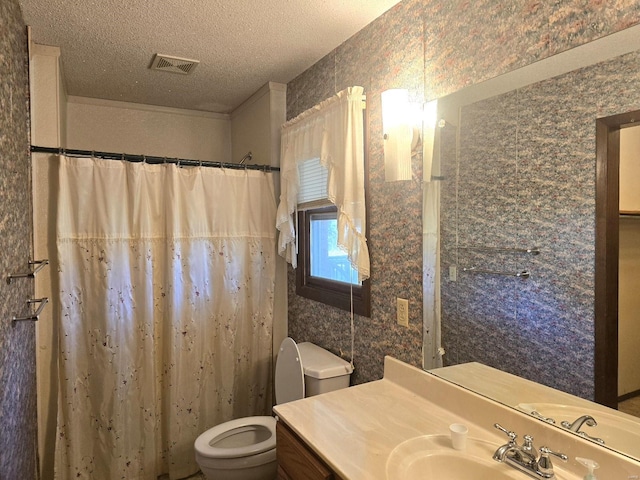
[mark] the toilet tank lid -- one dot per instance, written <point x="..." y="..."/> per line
<point x="320" y="363"/>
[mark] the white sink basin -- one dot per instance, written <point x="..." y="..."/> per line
<point x="437" y="465"/>
<point x="432" y="457"/>
<point x="617" y="431"/>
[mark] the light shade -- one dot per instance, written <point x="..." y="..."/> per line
<point x="398" y="134"/>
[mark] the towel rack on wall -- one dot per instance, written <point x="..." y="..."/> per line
<point x="42" y="301"/>
<point x="524" y="274"/>
<point x="530" y="251"/>
<point x="31" y="274"/>
<point x="39" y="265"/>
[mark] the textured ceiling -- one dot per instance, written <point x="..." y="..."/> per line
<point x="108" y="45"/>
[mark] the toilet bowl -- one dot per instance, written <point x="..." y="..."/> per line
<point x="242" y="449"/>
<point x="245" y="448"/>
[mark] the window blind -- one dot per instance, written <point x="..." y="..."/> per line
<point x="313" y="184"/>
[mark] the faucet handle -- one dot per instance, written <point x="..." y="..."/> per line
<point x="544" y="463"/>
<point x="512" y="435"/>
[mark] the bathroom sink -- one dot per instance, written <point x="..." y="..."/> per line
<point x="432" y="457"/>
<point x="617" y="431"/>
<point x="438" y="465"/>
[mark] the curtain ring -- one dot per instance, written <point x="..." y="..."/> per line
<point x="200" y="164"/>
<point x="122" y="157"/>
<point x="144" y="159"/>
<point x="93" y="154"/>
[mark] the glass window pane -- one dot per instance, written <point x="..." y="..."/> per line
<point x="327" y="260"/>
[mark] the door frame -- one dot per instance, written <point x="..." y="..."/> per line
<point x="607" y="254"/>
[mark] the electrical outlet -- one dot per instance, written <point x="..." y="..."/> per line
<point x="453" y="273"/>
<point x="402" y="312"/>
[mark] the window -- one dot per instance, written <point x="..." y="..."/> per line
<point x="326" y="259"/>
<point x="324" y="272"/>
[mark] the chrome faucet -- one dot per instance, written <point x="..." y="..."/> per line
<point x="587" y="420"/>
<point x="525" y="457"/>
<point x="577" y="424"/>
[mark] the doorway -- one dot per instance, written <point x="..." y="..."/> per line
<point x="607" y="287"/>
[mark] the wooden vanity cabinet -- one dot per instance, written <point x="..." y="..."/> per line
<point x="296" y="461"/>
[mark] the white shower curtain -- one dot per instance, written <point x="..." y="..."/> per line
<point x="167" y="287"/>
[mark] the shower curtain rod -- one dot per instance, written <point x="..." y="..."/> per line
<point x="150" y="159"/>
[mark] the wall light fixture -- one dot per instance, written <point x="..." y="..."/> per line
<point x="401" y="125"/>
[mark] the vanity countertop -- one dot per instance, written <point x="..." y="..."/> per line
<point x="355" y="430"/>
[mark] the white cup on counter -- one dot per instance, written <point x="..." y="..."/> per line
<point x="459" y="434"/>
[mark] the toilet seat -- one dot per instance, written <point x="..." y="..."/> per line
<point x="205" y="444"/>
<point x="219" y="443"/>
<point x="245" y="448"/>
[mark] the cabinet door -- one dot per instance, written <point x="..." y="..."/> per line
<point x="282" y="475"/>
<point x="295" y="460"/>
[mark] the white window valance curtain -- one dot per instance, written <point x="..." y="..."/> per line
<point x="332" y="131"/>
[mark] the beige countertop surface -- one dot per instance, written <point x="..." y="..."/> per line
<point x="357" y="430"/>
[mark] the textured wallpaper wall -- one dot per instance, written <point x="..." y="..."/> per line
<point x="17" y="342"/>
<point x="431" y="48"/>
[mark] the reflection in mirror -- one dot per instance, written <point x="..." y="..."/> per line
<point x="519" y="164"/>
<point x="594" y="422"/>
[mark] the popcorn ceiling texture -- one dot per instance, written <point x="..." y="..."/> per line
<point x="107" y="45"/>
<point x="433" y="49"/>
<point x="17" y="342"/>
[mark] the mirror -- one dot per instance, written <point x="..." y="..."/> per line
<point x="610" y="428"/>
<point x="518" y="160"/>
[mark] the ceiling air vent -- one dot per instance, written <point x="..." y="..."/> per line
<point x="167" y="63"/>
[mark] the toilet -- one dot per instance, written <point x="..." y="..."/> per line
<point x="245" y="448"/>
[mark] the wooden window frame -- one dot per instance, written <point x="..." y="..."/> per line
<point x="329" y="292"/>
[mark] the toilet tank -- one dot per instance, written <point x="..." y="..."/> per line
<point x="323" y="371"/>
